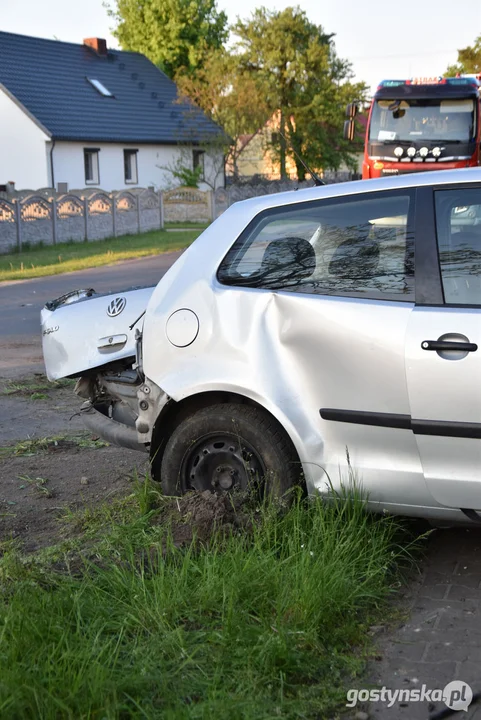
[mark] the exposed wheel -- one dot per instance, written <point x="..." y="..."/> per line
<point x="229" y="447"/>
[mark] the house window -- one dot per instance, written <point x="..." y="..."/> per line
<point x="91" y="164"/>
<point x="130" y="166"/>
<point x="198" y="157"/>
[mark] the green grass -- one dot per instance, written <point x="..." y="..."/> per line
<point x="270" y="623"/>
<point x="37" y="483"/>
<point x="68" y="257"/>
<point x="28" y="448"/>
<point x="180" y="225"/>
<point x="38" y="384"/>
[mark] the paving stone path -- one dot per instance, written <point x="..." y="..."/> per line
<point x="440" y="638"/>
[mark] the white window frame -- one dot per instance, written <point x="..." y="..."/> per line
<point x="94" y="154"/>
<point x="131" y="153"/>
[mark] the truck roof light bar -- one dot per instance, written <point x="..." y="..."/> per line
<point x="474" y="80"/>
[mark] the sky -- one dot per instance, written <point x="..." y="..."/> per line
<point x="381" y="38"/>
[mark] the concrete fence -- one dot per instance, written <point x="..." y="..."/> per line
<point x="34" y="218"/>
<point x="28" y="218"/>
<point x="45" y="217"/>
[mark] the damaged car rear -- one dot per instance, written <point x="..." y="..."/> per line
<point x="95" y="338"/>
<point x="307" y="336"/>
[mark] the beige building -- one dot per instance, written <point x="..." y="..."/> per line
<point x="256" y="158"/>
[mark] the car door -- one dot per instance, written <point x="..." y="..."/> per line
<point x="443" y="345"/>
<point x="330" y="327"/>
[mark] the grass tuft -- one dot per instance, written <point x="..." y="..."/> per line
<point x="37" y="483"/>
<point x="57" y="443"/>
<point x="38" y="385"/>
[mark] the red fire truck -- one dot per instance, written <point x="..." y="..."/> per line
<point x="421" y="124"/>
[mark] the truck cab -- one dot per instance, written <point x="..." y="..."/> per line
<point x="421" y="124"/>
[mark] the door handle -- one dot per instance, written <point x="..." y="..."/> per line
<point x="438" y="345"/>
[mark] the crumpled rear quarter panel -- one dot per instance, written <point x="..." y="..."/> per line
<point x="264" y="345"/>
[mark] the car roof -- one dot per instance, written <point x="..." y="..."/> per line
<point x="396" y="182"/>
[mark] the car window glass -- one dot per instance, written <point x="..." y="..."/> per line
<point x="336" y="247"/>
<point x="458" y="221"/>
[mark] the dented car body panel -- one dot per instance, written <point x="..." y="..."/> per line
<point x="336" y="356"/>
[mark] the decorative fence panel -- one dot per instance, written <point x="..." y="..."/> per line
<point x="187" y="205"/>
<point x="70" y="219"/>
<point x="8" y="226"/>
<point x="36" y="221"/>
<point x="48" y="217"/>
<point x="220" y="202"/>
<point x="243" y="191"/>
<point x="100" y="220"/>
<point x="150" y="211"/>
<point x="126" y="214"/>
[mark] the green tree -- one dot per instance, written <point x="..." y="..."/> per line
<point x="305" y="80"/>
<point x="469" y="60"/>
<point x="171" y="33"/>
<point x="182" y="171"/>
<point x="230" y="96"/>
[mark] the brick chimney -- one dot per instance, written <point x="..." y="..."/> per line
<point x="97" y="44"/>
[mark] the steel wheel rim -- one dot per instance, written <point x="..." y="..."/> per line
<point x="221" y="462"/>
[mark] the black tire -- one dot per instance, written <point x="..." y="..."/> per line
<point x="229" y="447"/>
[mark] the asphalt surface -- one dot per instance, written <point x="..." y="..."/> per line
<point x="22" y="300"/>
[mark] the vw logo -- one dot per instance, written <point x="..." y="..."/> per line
<point x="116" y="306"/>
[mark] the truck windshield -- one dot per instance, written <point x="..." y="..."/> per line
<point x="433" y="120"/>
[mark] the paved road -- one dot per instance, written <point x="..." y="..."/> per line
<point x="21" y="302"/>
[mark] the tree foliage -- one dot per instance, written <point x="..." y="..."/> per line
<point x="469" y="60"/>
<point x="281" y="65"/>
<point x="230" y="96"/>
<point x="171" y="33"/>
<point x="303" y="78"/>
<point x="182" y="171"/>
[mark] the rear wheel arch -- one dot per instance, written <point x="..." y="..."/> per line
<point x="174" y="413"/>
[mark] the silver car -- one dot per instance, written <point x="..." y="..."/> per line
<point x="309" y="336"/>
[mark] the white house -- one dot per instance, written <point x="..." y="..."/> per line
<point x="75" y="116"/>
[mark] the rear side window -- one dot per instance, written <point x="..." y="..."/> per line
<point x="360" y="246"/>
<point x="458" y="224"/>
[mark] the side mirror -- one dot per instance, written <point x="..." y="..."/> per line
<point x="351" y="111"/>
<point x="349" y="130"/>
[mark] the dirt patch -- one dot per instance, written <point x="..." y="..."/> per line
<point x="199" y="515"/>
<point x="48" y="462"/>
<point x="31" y="407"/>
<point x="36" y="490"/>
<point x="21" y="354"/>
